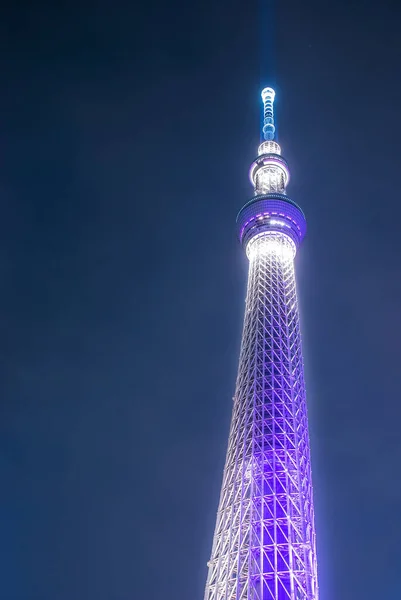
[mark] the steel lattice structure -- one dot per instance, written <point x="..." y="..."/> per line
<point x="264" y="541"/>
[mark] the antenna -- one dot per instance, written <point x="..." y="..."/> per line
<point x="268" y="95"/>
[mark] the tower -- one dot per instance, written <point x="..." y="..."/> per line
<point x="264" y="540"/>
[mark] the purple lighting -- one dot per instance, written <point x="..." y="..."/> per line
<point x="264" y="542"/>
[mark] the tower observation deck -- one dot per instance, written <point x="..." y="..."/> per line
<point x="264" y="540"/>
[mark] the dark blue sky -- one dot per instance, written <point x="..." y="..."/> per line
<point x="125" y="139"/>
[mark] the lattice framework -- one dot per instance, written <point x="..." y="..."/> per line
<point x="264" y="542"/>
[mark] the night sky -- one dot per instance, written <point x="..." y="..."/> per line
<point x="125" y="138"/>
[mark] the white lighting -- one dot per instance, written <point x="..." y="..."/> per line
<point x="269" y="147"/>
<point x="268" y="174"/>
<point x="268" y="93"/>
<point x="271" y="242"/>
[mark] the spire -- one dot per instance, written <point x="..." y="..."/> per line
<point x="269" y="172"/>
<point x="268" y="114"/>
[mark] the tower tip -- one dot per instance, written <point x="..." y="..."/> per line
<point x="269" y="129"/>
<point x="268" y="91"/>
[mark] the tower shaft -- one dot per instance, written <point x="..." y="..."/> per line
<point x="264" y="541"/>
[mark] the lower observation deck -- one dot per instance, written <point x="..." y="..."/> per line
<point x="273" y="212"/>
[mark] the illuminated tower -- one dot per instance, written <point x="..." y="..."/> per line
<point x="264" y="541"/>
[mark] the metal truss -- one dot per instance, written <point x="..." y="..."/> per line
<point x="264" y="541"/>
